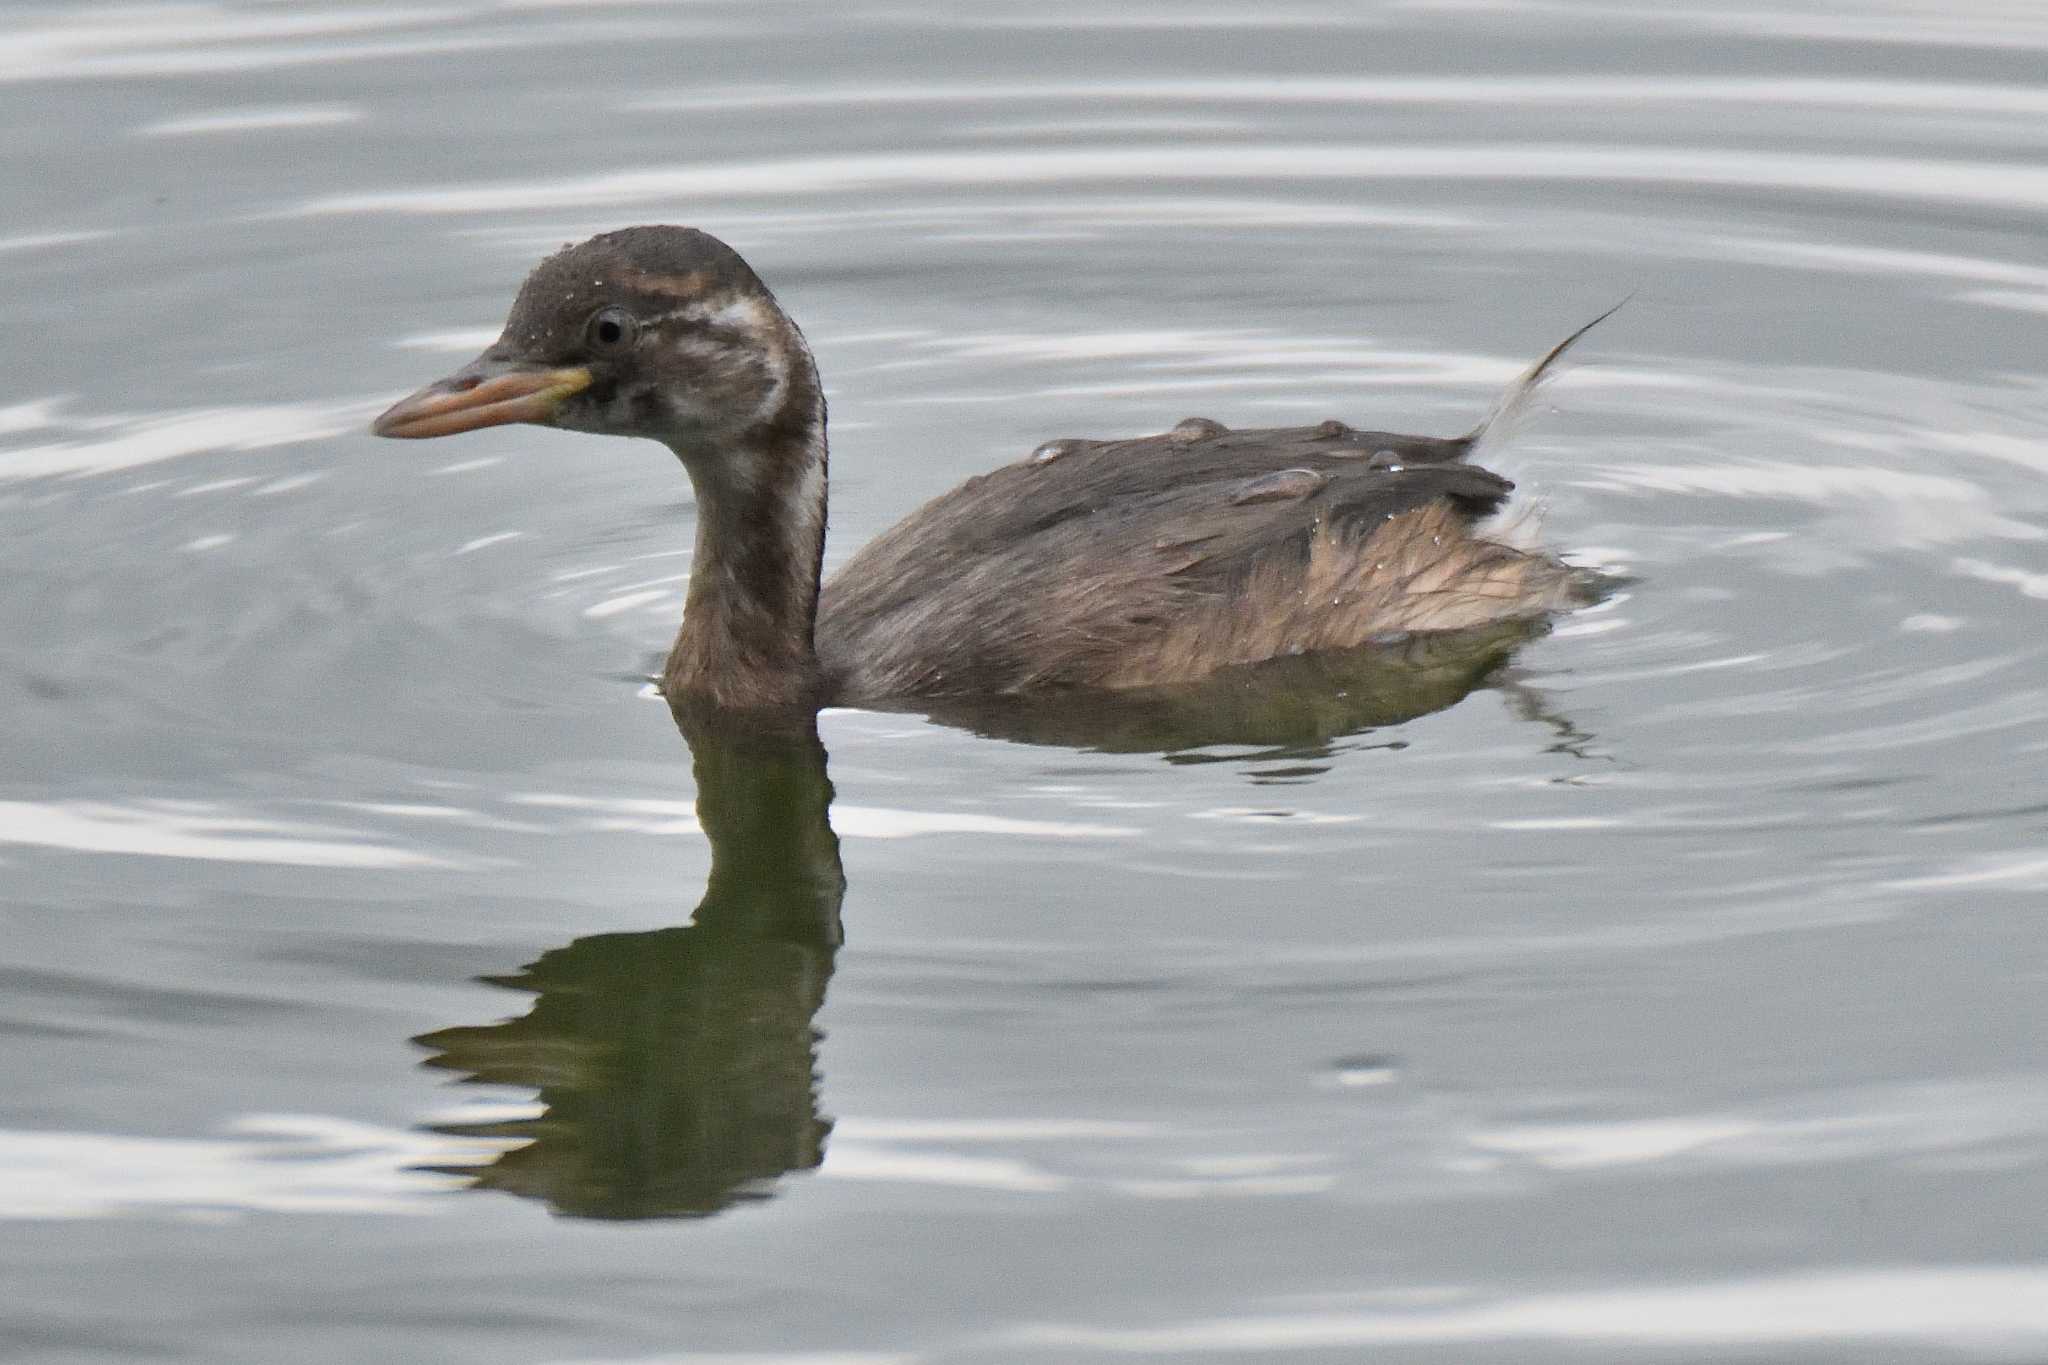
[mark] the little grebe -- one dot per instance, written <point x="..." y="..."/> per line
<point x="1091" y="564"/>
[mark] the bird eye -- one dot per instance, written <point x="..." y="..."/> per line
<point x="610" y="329"/>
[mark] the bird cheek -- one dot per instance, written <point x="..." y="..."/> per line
<point x="647" y="410"/>
<point x="613" y="406"/>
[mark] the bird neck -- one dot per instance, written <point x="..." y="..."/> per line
<point x="764" y="802"/>
<point x="746" y="640"/>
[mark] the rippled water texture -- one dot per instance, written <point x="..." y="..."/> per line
<point x="368" y="992"/>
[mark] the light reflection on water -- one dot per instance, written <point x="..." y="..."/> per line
<point x="1996" y="1310"/>
<point x="1578" y="90"/>
<point x="106" y="444"/>
<point x="1986" y="184"/>
<point x="1688" y="971"/>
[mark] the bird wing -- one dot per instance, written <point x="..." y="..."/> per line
<point x="1073" y="567"/>
<point x="1161" y="558"/>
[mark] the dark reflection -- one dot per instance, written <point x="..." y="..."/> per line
<point x="1531" y="705"/>
<point x="1292" y="708"/>
<point x="677" y="1068"/>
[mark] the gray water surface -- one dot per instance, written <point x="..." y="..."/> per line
<point x="1674" y="995"/>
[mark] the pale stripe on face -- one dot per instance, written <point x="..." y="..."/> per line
<point x="733" y="325"/>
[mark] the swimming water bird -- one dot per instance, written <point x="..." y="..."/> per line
<point x="1091" y="564"/>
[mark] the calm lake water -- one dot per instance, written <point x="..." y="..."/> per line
<point x="1677" y="994"/>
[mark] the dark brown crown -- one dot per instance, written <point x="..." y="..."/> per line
<point x="648" y="270"/>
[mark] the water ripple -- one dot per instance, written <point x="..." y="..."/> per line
<point x="271" y="1164"/>
<point x="105" y="444"/>
<point x="253" y="120"/>
<point x="1954" y="1307"/>
<point x="202" y="830"/>
<point x="2009" y="185"/>
<point x="661" y="817"/>
<point x="1897" y="506"/>
<point x="1577" y="90"/>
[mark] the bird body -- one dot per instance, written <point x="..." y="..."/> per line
<point x="1160" y="559"/>
<point x="1091" y="564"/>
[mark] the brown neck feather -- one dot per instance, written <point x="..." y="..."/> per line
<point x="746" y="640"/>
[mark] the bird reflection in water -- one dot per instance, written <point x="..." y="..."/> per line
<point x="677" y="1069"/>
<point x="1298" y="706"/>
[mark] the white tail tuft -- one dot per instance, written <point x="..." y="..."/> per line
<point x="1515" y="403"/>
